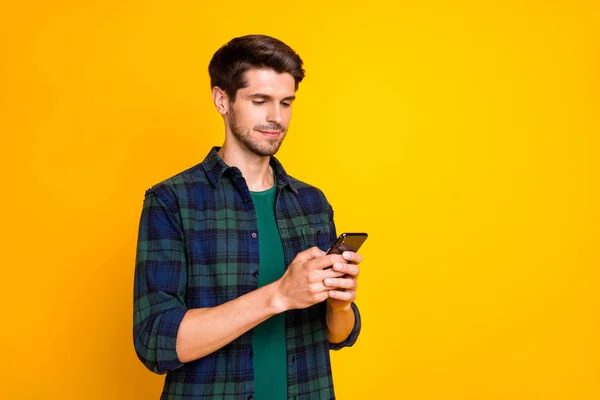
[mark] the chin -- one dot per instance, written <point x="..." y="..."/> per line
<point x="267" y="151"/>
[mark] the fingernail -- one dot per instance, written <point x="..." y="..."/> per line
<point x="337" y="267"/>
<point x="328" y="281"/>
<point x="347" y="255"/>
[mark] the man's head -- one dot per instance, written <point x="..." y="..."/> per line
<point x="254" y="80"/>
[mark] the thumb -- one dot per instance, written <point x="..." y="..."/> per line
<point x="310" y="254"/>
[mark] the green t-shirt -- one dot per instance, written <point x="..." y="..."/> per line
<point x="268" y="340"/>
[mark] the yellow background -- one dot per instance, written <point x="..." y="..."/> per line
<point x="462" y="136"/>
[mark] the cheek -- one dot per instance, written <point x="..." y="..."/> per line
<point x="255" y="116"/>
<point x="249" y="117"/>
<point x="287" y="116"/>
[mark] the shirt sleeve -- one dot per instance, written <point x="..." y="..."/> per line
<point x="353" y="337"/>
<point x="159" y="286"/>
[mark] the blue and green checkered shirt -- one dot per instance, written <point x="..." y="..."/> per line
<point x="198" y="247"/>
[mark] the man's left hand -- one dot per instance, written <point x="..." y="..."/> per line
<point x="343" y="289"/>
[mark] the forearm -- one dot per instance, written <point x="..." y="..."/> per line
<point x="340" y="323"/>
<point x="205" y="330"/>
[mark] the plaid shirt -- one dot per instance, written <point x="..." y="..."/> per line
<point x="198" y="247"/>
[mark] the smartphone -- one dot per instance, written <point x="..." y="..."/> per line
<point x="348" y="241"/>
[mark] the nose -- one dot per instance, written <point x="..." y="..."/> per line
<point x="274" y="115"/>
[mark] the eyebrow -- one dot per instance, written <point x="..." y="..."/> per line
<point x="266" y="96"/>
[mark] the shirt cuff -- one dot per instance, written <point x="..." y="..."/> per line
<point x="166" y="340"/>
<point x="351" y="339"/>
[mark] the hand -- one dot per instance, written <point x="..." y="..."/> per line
<point x="342" y="291"/>
<point x="302" y="285"/>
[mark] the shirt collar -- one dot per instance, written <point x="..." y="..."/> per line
<point x="215" y="167"/>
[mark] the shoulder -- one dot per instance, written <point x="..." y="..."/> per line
<point x="172" y="190"/>
<point x="306" y="190"/>
<point x="315" y="206"/>
<point x="311" y="197"/>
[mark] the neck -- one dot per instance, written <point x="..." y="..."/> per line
<point x="255" y="169"/>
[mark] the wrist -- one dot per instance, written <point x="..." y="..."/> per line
<point x="333" y="305"/>
<point x="277" y="301"/>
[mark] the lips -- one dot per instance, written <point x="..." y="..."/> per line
<point x="270" y="133"/>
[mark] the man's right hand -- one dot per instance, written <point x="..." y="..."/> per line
<point x="301" y="285"/>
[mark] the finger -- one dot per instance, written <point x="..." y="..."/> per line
<point x="310" y="254"/>
<point x="348" y="295"/>
<point x="321" y="296"/>
<point x="319" y="275"/>
<point x="328" y="273"/>
<point x="342" y="283"/>
<point x="326" y="261"/>
<point x="349" y="269"/>
<point x="319" y="289"/>
<point x="352" y="257"/>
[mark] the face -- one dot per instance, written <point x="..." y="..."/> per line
<point x="261" y="113"/>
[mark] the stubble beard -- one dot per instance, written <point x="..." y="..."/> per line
<point x="258" y="147"/>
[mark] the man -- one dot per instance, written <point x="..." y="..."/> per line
<point x="233" y="295"/>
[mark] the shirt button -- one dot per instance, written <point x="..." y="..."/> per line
<point x="251" y="354"/>
<point x="250" y="397"/>
<point x="255" y="274"/>
<point x="254" y="235"/>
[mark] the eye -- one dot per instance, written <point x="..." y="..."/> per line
<point x="258" y="102"/>
<point x="286" y="104"/>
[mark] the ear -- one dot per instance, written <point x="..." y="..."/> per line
<point x="221" y="100"/>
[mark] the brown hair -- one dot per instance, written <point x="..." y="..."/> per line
<point x="227" y="67"/>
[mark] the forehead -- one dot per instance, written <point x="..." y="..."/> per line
<point x="269" y="82"/>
